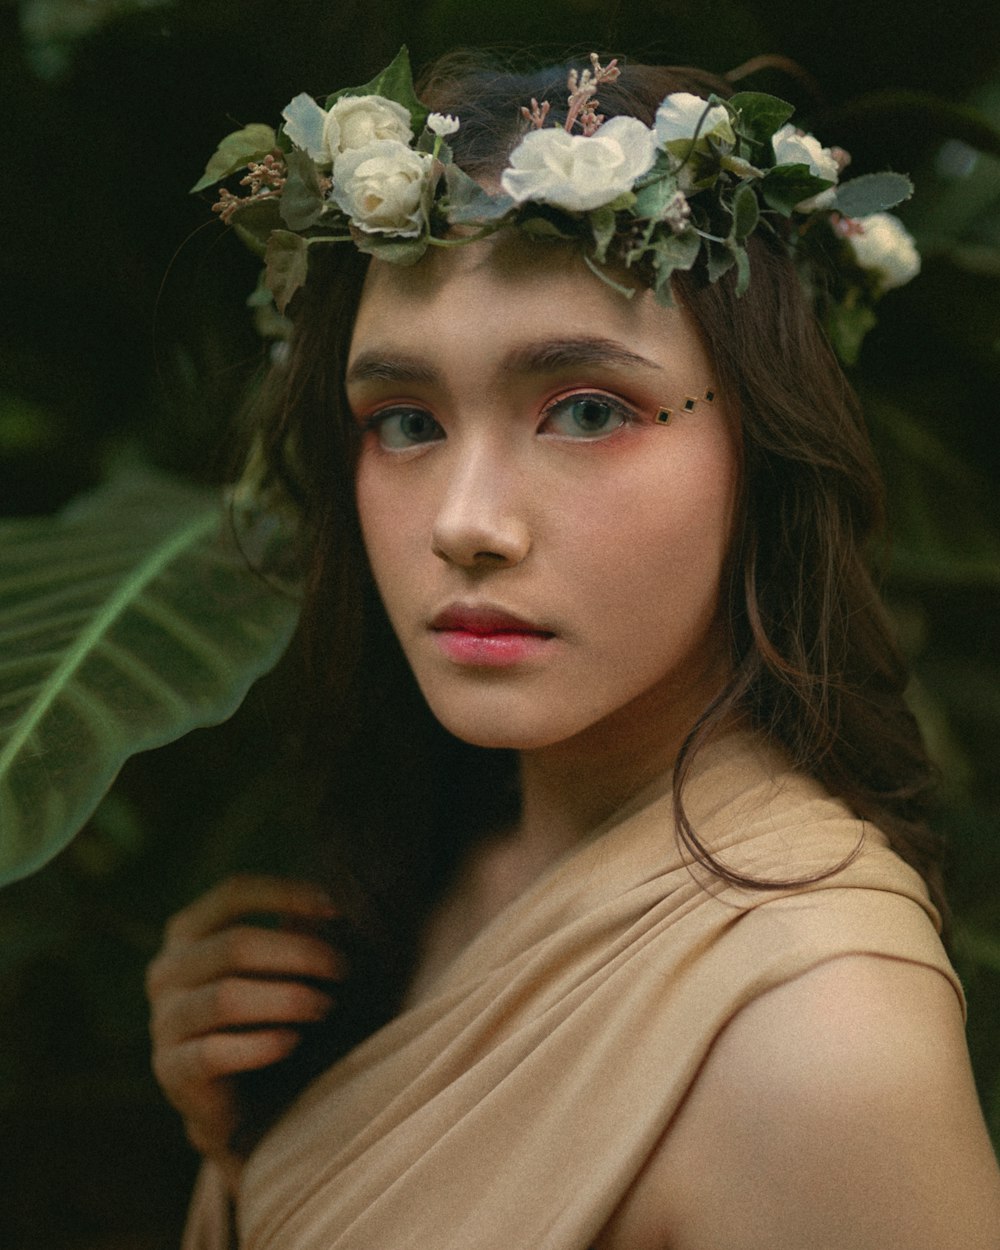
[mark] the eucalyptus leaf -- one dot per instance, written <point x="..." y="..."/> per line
<point x="127" y="621"/>
<point x="872" y="193"/>
<point x="302" y="200"/>
<point x="287" y="261"/>
<point x="235" y="152"/>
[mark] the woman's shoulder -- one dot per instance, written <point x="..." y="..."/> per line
<point x="837" y="1109"/>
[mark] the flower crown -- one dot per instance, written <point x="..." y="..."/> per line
<point x="372" y="166"/>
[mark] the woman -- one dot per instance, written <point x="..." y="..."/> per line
<point x="636" y="911"/>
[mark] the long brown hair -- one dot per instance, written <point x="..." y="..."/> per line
<point x="814" y="663"/>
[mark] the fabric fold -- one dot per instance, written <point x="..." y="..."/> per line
<point x="517" y="1100"/>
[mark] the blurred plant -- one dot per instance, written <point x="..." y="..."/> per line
<point x="52" y="28"/>
<point x="127" y="623"/>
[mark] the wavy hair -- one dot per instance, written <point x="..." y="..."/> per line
<point x="814" y="663"/>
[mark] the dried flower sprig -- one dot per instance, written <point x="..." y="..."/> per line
<point x="583" y="88"/>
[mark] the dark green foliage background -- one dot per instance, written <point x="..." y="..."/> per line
<point x="127" y="339"/>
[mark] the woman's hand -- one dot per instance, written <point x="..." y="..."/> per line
<point x="230" y="996"/>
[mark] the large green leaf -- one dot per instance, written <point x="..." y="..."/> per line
<point x="126" y="622"/>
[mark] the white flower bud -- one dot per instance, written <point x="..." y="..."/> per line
<point x="682" y="115"/>
<point x="442" y="124"/>
<point x="793" y="147"/>
<point x="884" y="246"/>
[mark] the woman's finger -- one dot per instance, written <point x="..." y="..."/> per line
<point x="244" y="950"/>
<point x="235" y="1003"/>
<point x="240" y="896"/>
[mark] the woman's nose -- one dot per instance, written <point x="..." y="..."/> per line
<point x="480" y="520"/>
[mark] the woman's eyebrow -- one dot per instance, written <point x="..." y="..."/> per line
<point x="384" y="366"/>
<point x="548" y="355"/>
<point x="544" y="356"/>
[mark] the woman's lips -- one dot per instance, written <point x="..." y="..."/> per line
<point x="488" y="637"/>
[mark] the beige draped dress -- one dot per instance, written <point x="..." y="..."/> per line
<point x="513" y="1105"/>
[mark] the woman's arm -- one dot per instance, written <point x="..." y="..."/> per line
<point x="837" y="1112"/>
<point x="229" y="996"/>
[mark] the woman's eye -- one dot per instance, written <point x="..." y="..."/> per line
<point x="402" y="428"/>
<point x="585" y="416"/>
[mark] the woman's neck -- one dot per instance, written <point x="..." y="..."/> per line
<point x="571" y="788"/>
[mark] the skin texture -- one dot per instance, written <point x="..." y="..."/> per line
<point x="616" y="545"/>
<point x="228" y="996"/>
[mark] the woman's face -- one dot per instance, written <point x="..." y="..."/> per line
<point x="548" y="552"/>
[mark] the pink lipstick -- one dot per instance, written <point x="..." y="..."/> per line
<point x="487" y="637"/>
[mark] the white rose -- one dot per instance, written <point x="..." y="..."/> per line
<point x="579" y="172"/>
<point x="381" y="187"/>
<point x="355" y="121"/>
<point x="886" y="247"/>
<point x="791" y="147"/>
<point x="681" y="115"/>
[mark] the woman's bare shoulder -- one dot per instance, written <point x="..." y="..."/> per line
<point x="836" y="1110"/>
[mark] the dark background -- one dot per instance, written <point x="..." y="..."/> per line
<point x="127" y="338"/>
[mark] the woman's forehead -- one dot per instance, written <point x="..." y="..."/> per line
<point x="502" y="291"/>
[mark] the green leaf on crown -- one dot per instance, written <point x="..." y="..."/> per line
<point x="787" y="185"/>
<point x="742" y="258"/>
<point x="394" y="250"/>
<point x="303" y="125"/>
<point x="602" y="224"/>
<point x="719" y="260"/>
<point x="302" y="200"/>
<point x="544" y="228"/>
<point x="760" y="115"/>
<point x="395" y="82"/>
<point x="746" y="212"/>
<point x="254" y="221"/>
<point x="652" y="199"/>
<point x="546" y="221"/>
<point x="235" y="152"/>
<point x="872" y="193"/>
<point x="287" y="263"/>
<point x="467" y="202"/>
<point x="670" y="253"/>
